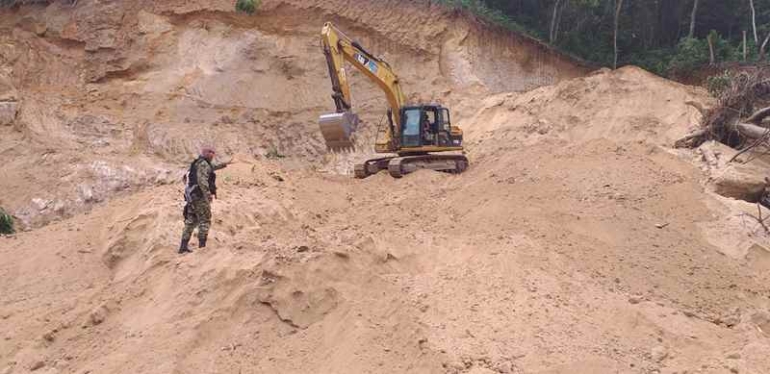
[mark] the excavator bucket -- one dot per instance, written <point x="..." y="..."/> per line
<point x="337" y="129"/>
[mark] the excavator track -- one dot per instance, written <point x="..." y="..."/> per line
<point x="371" y="167"/>
<point x="400" y="166"/>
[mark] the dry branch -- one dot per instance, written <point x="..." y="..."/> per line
<point x="735" y="120"/>
<point x="697" y="106"/>
<point x="691" y="140"/>
<point x="756" y="143"/>
<point x="760" y="220"/>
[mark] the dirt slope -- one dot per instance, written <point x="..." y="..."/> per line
<point x="124" y="81"/>
<point x="577" y="242"/>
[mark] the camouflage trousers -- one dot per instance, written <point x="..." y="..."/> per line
<point x="197" y="213"/>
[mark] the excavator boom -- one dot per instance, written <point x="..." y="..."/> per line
<point x="338" y="127"/>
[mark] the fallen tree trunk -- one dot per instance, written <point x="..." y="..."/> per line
<point x="752" y="131"/>
<point x="738" y="96"/>
<point x="758" y="116"/>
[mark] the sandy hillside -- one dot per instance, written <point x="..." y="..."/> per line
<point x="122" y="93"/>
<point x="577" y="242"/>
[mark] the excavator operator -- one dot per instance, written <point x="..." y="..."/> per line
<point x="426" y="129"/>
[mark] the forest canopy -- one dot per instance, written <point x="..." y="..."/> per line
<point x="663" y="36"/>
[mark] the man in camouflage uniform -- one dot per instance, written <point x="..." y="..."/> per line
<point x="200" y="191"/>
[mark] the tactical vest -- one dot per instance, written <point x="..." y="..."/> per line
<point x="192" y="180"/>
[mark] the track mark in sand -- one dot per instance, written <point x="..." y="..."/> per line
<point x="278" y="314"/>
<point x="296" y="300"/>
<point x="126" y="243"/>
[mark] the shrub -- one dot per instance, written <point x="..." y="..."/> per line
<point x="690" y="53"/>
<point x="488" y="14"/>
<point x="718" y="84"/>
<point x="274" y="154"/>
<point x="6" y="223"/>
<point x="656" y="61"/>
<point x="247" y="6"/>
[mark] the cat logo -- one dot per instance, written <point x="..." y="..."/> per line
<point x="371" y="65"/>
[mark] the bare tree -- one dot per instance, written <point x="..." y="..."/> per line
<point x="558" y="9"/>
<point x="692" y="18"/>
<point x="745" y="46"/>
<point x="762" y="49"/>
<point x="551" y="35"/>
<point x="618" y="7"/>
<point x="754" y="21"/>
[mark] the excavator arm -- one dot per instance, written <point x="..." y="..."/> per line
<point x="337" y="127"/>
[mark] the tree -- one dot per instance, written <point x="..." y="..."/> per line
<point x="692" y="18"/>
<point x="663" y="36"/>
<point x="762" y="49"/>
<point x="618" y="8"/>
<point x="558" y="9"/>
<point x="754" y="21"/>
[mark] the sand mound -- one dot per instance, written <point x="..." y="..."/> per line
<point x="625" y="105"/>
<point x="577" y="242"/>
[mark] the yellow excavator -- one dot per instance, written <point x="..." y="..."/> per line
<point x="415" y="132"/>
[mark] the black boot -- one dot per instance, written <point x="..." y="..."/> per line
<point x="201" y="242"/>
<point x="183" y="248"/>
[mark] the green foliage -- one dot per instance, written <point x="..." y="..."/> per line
<point x="689" y="53"/>
<point x="657" y="61"/>
<point x="6" y="223"/>
<point x="592" y="49"/>
<point x="723" y="51"/>
<point x="718" y="84"/>
<point x="649" y="33"/>
<point x="247" y="6"/>
<point x="489" y="14"/>
<point x="751" y="48"/>
<point x="273" y="154"/>
<point x="10" y="3"/>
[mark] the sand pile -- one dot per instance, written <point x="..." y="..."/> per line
<point x="577" y="242"/>
<point x="626" y="105"/>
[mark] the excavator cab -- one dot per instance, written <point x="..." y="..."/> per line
<point x="428" y="126"/>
